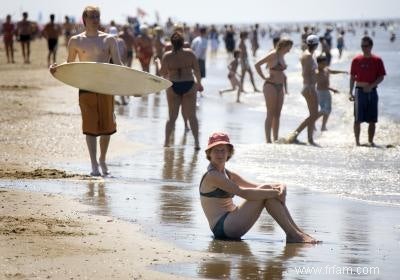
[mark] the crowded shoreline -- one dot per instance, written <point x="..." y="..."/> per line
<point x="31" y="96"/>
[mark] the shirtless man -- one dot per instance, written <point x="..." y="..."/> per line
<point x="25" y="32"/>
<point x="51" y="32"/>
<point x="97" y="110"/>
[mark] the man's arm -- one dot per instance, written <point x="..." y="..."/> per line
<point x="72" y="50"/>
<point x="351" y="95"/>
<point x="376" y="83"/>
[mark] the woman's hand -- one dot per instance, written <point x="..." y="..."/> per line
<point x="282" y="192"/>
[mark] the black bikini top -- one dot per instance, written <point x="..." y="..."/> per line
<point x="218" y="193"/>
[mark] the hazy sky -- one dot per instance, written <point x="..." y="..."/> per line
<point x="210" y="11"/>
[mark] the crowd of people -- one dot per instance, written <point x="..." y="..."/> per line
<point x="179" y="54"/>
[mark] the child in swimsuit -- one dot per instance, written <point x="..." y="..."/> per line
<point x="232" y="67"/>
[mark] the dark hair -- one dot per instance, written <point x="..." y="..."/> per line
<point x="368" y="40"/>
<point x="321" y="58"/>
<point x="177" y="41"/>
<point x="231" y="152"/>
<point x="52" y="17"/>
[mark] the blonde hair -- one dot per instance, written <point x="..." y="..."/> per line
<point x="283" y="43"/>
<point x="87" y="10"/>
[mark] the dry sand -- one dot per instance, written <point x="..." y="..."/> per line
<point x="51" y="237"/>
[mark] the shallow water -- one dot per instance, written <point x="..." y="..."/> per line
<point x="347" y="196"/>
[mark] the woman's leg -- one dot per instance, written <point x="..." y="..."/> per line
<point x="311" y="98"/>
<point x="270" y="101"/>
<point x="312" y="104"/>
<point x="281" y="215"/>
<point x="189" y="111"/>
<point x="238" y="222"/>
<point x="174" y="103"/>
<point x="277" y="113"/>
<point x="252" y="79"/>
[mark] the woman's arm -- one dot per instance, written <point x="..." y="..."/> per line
<point x="258" y="64"/>
<point x="249" y="193"/>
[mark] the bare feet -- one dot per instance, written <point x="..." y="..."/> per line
<point x="104" y="168"/>
<point x="302" y="238"/>
<point x="95" y="173"/>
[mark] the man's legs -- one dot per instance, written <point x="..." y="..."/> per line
<point x="371" y="132"/>
<point x="92" y="147"/>
<point x="104" y="142"/>
<point x="357" y="132"/>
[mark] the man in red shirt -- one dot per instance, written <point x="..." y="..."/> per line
<point x="367" y="71"/>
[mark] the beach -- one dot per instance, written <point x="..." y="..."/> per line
<point x="145" y="221"/>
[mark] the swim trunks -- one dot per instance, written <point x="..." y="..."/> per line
<point x="366" y="106"/>
<point x="325" y="101"/>
<point x="97" y="113"/>
<point x="52" y="43"/>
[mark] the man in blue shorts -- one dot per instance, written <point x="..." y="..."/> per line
<point x="367" y="71"/>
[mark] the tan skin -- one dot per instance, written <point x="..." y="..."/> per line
<point x="323" y="84"/>
<point x="273" y="99"/>
<point x="245" y="67"/>
<point x="185" y="60"/>
<point x="24" y="27"/>
<point x="367" y="87"/>
<point x="309" y="92"/>
<point x="8" y="26"/>
<point x="51" y="31"/>
<point x="97" y="46"/>
<point x="271" y="197"/>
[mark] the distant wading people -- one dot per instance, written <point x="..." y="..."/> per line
<point x="181" y="67"/>
<point x="97" y="110"/>
<point x="309" y="91"/>
<point x="232" y="67"/>
<point x="366" y="73"/>
<point x="218" y="186"/>
<point x="244" y="61"/>
<point x="274" y="86"/>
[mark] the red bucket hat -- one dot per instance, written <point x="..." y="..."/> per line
<point x="218" y="138"/>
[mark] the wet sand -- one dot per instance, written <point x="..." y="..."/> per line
<point x="47" y="235"/>
<point x="156" y="188"/>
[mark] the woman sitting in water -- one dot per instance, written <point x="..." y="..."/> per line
<point x="219" y="185"/>
<point x="274" y="86"/>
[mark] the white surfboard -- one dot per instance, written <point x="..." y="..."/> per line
<point x="109" y="79"/>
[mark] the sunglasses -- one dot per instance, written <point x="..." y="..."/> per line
<point x="93" y="16"/>
<point x="365" y="46"/>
